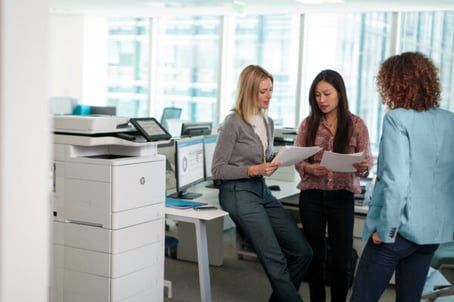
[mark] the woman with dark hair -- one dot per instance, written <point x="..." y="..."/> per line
<point x="241" y="160"/>
<point x="412" y="210"/>
<point x="326" y="199"/>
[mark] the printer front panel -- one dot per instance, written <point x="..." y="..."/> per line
<point x="138" y="185"/>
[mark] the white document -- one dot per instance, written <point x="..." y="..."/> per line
<point x="339" y="162"/>
<point x="290" y="155"/>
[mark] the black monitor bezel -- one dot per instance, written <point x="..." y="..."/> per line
<point x="164" y="135"/>
<point x="205" y="138"/>
<point x="199" y="128"/>
<point x="182" y="190"/>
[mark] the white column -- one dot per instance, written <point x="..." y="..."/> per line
<point x="24" y="151"/>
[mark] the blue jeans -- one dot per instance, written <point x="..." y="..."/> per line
<point x="280" y="246"/>
<point x="333" y="211"/>
<point x="409" y="260"/>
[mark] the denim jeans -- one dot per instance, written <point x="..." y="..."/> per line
<point x="279" y="244"/>
<point x="333" y="211"/>
<point x="409" y="260"/>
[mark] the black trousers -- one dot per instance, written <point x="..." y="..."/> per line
<point x="328" y="215"/>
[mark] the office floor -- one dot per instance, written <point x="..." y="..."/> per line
<point x="235" y="281"/>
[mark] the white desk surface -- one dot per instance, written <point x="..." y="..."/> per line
<point x="361" y="209"/>
<point x="287" y="189"/>
<point x="204" y="215"/>
<point x="210" y="195"/>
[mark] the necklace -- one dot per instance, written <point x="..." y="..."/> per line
<point x="332" y="125"/>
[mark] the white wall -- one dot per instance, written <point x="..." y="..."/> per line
<point x="94" y="65"/>
<point x="24" y="151"/>
<point x="66" y="60"/>
<point x="79" y="51"/>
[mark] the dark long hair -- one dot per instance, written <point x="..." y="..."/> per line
<point x="343" y="131"/>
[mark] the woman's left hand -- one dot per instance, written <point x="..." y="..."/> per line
<point x="362" y="168"/>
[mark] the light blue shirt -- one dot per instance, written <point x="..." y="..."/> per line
<point x="414" y="190"/>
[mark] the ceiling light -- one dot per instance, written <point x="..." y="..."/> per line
<point x="238" y="7"/>
<point x="319" y="1"/>
<point x="155" y="4"/>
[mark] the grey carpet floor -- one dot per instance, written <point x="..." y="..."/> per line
<point x="237" y="280"/>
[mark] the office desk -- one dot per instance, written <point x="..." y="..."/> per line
<point x="186" y="232"/>
<point x="187" y="249"/>
<point x="288" y="195"/>
<point x="199" y="219"/>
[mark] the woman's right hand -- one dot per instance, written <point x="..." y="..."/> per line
<point x="316" y="169"/>
<point x="376" y="239"/>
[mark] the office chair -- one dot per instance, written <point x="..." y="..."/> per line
<point x="170" y="113"/>
<point x="443" y="261"/>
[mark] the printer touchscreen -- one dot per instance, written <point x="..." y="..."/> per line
<point x="150" y="128"/>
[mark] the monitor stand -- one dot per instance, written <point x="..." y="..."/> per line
<point x="185" y="195"/>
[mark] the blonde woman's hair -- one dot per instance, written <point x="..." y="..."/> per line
<point x="248" y="91"/>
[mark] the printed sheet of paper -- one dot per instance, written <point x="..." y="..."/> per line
<point x="290" y="155"/>
<point x="338" y="162"/>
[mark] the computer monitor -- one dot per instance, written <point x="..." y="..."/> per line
<point x="196" y="129"/>
<point x="170" y="113"/>
<point x="189" y="166"/>
<point x="209" y="144"/>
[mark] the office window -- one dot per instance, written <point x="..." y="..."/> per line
<point x="186" y="58"/>
<point x="272" y="42"/>
<point x="362" y="48"/>
<point x="354" y="45"/>
<point x="432" y="33"/>
<point x="188" y="66"/>
<point x="127" y="75"/>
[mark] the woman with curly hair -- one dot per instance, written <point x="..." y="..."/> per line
<point x="412" y="208"/>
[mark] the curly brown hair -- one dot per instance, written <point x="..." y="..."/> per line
<point x="410" y="81"/>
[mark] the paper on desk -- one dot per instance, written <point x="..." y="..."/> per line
<point x="339" y="162"/>
<point x="290" y="155"/>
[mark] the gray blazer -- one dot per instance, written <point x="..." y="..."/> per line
<point x="414" y="190"/>
<point x="238" y="146"/>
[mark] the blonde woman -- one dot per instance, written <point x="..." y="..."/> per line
<point x="242" y="158"/>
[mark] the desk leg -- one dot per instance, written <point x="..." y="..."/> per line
<point x="203" y="261"/>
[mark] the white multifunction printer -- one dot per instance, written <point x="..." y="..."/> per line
<point x="108" y="210"/>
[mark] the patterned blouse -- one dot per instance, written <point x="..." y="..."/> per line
<point x="359" y="142"/>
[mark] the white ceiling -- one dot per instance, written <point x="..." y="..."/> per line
<point x="203" y="7"/>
